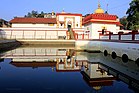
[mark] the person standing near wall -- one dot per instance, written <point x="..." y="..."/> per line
<point x="103" y="30"/>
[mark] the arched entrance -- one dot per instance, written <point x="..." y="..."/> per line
<point x="70" y="31"/>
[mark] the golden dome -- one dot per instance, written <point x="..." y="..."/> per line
<point x="99" y="10"/>
<point x="97" y="87"/>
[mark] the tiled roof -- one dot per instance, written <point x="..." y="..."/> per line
<point x="103" y="22"/>
<point x="104" y="16"/>
<point x="101" y="18"/>
<point x="33" y="20"/>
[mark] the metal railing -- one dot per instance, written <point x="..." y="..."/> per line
<point x="120" y="36"/>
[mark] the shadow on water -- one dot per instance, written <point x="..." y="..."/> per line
<point x="63" y="70"/>
<point x="9" y="45"/>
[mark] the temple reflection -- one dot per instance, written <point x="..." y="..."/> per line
<point x="69" y="63"/>
<point x="43" y="57"/>
<point x="96" y="77"/>
<point x="97" y="70"/>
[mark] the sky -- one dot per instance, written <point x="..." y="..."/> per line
<point x="11" y="8"/>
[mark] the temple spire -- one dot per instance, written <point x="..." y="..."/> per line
<point x="63" y="11"/>
<point x="99" y="10"/>
<point x="107" y="7"/>
<point x="99" y="4"/>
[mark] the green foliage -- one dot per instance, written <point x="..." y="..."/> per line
<point x="133" y="15"/>
<point x="41" y="15"/>
<point x="124" y="22"/>
<point x="35" y="14"/>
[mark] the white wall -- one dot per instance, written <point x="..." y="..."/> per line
<point x="95" y="27"/>
<point x="89" y="27"/>
<point x="130" y="49"/>
<point x="16" y="34"/>
<point x="33" y="33"/>
<point x="78" y="21"/>
<point x="71" y="18"/>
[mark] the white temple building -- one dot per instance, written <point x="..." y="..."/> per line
<point x="57" y="27"/>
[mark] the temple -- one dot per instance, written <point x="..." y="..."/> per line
<point x="64" y="26"/>
<point x="100" y="20"/>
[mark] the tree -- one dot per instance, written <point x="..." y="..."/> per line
<point x="32" y="14"/>
<point x="133" y="15"/>
<point x="124" y="22"/>
<point x="41" y="15"/>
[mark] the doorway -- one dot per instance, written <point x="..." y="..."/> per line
<point x="69" y="27"/>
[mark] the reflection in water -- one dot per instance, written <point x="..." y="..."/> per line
<point x="96" y="76"/>
<point x="126" y="72"/>
<point x="106" y="65"/>
<point x="62" y="59"/>
<point x="101" y="73"/>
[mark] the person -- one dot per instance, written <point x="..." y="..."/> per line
<point x="103" y="30"/>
